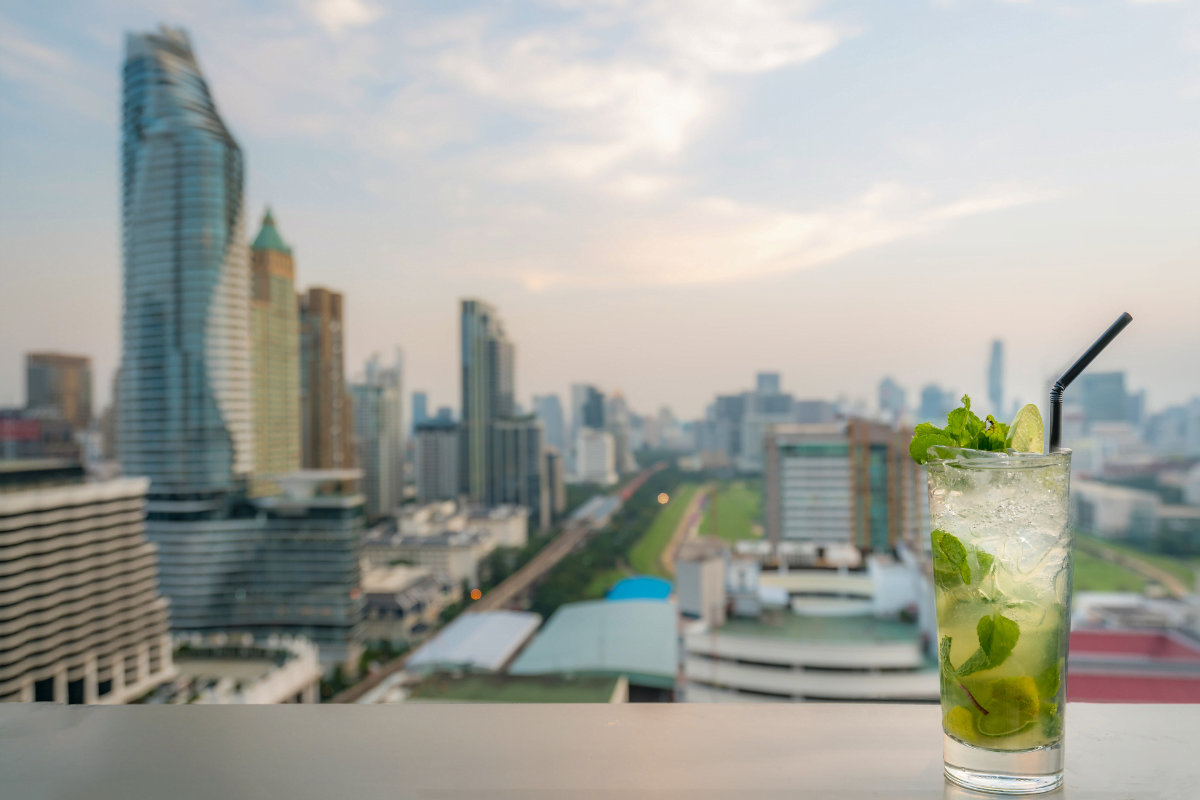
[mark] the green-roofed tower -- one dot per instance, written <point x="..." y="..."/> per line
<point x="275" y="358"/>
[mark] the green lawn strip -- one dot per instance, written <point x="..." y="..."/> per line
<point x="645" y="555"/>
<point x="1182" y="568"/>
<point x="738" y="509"/>
<point x="1093" y="574"/>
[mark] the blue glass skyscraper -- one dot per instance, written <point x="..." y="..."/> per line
<point x="185" y="373"/>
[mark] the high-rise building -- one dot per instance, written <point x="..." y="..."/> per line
<point x="595" y="457"/>
<point x="326" y="415"/>
<point x="767" y="383"/>
<point x="549" y="410"/>
<point x="437" y="461"/>
<point x="517" y="474"/>
<point x="81" y="616"/>
<point x="935" y="405"/>
<point x="61" y="384"/>
<point x="420" y="409"/>
<point x="893" y="400"/>
<point x="845" y="482"/>
<point x="186" y="407"/>
<point x="556" y="481"/>
<point x="1103" y="396"/>
<point x="764" y="407"/>
<point x="185" y="411"/>
<point x="617" y="416"/>
<point x="996" y="379"/>
<point x="378" y="432"/>
<point x="274" y="358"/>
<point x="487" y="393"/>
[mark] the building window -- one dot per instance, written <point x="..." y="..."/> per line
<point x="104" y="687"/>
<point x="75" y="692"/>
<point x="43" y="691"/>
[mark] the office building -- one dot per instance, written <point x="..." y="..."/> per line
<point x="847" y="482"/>
<point x="587" y="408"/>
<point x="303" y="575"/>
<point x="60" y="384"/>
<point x="437" y="461"/>
<point x="420" y="409"/>
<point x="595" y="457"/>
<point x="82" y="619"/>
<point x="487" y="393"/>
<point x="618" y="418"/>
<point x="518" y="471"/>
<point x="326" y="411"/>
<point x="404" y="603"/>
<point x="274" y="358"/>
<point x="893" y="400"/>
<point x="764" y="407"/>
<point x="240" y="670"/>
<point x="549" y="410"/>
<point x="996" y="381"/>
<point x="767" y="383"/>
<point x="186" y="414"/>
<point x="25" y="434"/>
<point x="379" y="436"/>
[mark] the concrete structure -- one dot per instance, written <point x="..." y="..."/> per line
<point x="487" y="393"/>
<point x="274" y="358"/>
<point x="326" y="412"/>
<point x="453" y="553"/>
<point x="484" y="642"/>
<point x="556" y="481"/>
<point x="893" y="400"/>
<point x="847" y="482"/>
<point x="700" y="566"/>
<point x="420" y="409"/>
<point x="595" y="457"/>
<point x="634" y="638"/>
<point x="438" y="475"/>
<point x="597" y="751"/>
<point x="517" y="475"/>
<point x="1114" y="512"/>
<point x="227" y="670"/>
<point x="795" y="658"/>
<point x="379" y="436"/>
<point x="764" y="407"/>
<point x="474" y="688"/>
<point x="61" y="384"/>
<point x="81" y="620"/>
<point x="186" y="413"/>
<point x="617" y="417"/>
<point x="404" y="602"/>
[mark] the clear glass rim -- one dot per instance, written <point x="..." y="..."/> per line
<point x="1008" y="461"/>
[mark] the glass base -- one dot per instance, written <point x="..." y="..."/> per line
<point x="1004" y="771"/>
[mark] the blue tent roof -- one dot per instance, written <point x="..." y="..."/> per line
<point x="640" y="587"/>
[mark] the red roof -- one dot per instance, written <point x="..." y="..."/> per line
<point x="1096" y="688"/>
<point x="1153" y="645"/>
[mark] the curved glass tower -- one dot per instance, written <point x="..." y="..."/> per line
<point x="185" y="395"/>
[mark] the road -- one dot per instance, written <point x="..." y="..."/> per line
<point x="689" y="523"/>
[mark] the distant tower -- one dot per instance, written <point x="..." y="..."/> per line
<point x="326" y="416"/>
<point x="996" y="379"/>
<point x="487" y="392"/>
<point x="274" y="358"/>
<point x="61" y="383"/>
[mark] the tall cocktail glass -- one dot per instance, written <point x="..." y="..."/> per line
<point x="1002" y="561"/>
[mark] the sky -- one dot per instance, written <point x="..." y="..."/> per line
<point x="661" y="197"/>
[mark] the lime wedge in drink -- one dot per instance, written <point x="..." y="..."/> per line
<point x="1025" y="432"/>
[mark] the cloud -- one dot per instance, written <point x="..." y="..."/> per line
<point x="716" y="240"/>
<point x="335" y="16"/>
<point x="51" y="73"/>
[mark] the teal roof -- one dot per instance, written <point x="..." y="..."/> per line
<point x="269" y="238"/>
<point x="636" y="638"/>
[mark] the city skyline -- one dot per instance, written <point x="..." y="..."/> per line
<point x="1075" y="235"/>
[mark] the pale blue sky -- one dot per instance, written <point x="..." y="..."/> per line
<point x="661" y="196"/>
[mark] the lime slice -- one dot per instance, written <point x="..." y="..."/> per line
<point x="1025" y="433"/>
<point x="960" y="723"/>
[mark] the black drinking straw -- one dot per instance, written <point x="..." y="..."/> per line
<point x="1079" y="366"/>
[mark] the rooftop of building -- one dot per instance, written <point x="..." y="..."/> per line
<point x="388" y="580"/>
<point x="483" y="641"/>
<point x="475" y="688"/>
<point x="843" y="630"/>
<point x="268" y="236"/>
<point x="635" y="638"/>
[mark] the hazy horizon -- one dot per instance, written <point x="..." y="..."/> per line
<point x="661" y="198"/>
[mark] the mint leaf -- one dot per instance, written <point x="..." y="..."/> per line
<point x="994" y="437"/>
<point x="944" y="658"/>
<point x="997" y="637"/>
<point x="949" y="556"/>
<point x="926" y="436"/>
<point x="1049" y="682"/>
<point x="985" y="560"/>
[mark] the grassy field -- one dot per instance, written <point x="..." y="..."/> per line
<point x="1182" y="568"/>
<point x="645" y="555"/>
<point x="601" y="582"/>
<point x="1094" y="574"/>
<point x="739" y="506"/>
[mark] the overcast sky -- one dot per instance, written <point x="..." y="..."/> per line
<point x="660" y="197"/>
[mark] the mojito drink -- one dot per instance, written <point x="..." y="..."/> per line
<point x="1001" y="547"/>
